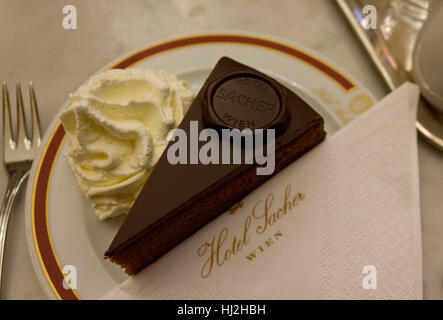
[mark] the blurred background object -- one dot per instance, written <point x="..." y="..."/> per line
<point x="391" y="46"/>
<point x="427" y="63"/>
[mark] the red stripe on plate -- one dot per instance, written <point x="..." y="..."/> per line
<point x="173" y="44"/>
<point x="40" y="218"/>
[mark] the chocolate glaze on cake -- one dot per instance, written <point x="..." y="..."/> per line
<point x="179" y="199"/>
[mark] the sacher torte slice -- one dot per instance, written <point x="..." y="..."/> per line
<point x="178" y="199"/>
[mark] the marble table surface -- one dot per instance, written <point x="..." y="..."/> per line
<point x="36" y="47"/>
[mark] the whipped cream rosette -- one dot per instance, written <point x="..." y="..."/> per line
<point x="117" y="126"/>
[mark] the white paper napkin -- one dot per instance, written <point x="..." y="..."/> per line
<point x="350" y="228"/>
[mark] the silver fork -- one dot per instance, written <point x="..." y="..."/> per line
<point x="17" y="157"/>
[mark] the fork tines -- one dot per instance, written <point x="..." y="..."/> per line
<point x="22" y="148"/>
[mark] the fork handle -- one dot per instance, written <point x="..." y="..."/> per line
<point x="16" y="178"/>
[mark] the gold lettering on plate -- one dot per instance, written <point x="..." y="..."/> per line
<point x="226" y="244"/>
<point x="357" y="105"/>
<point x="360" y="103"/>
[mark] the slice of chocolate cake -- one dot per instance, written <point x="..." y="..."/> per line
<point x="178" y="199"/>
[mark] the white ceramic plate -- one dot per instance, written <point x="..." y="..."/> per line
<point x="64" y="236"/>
